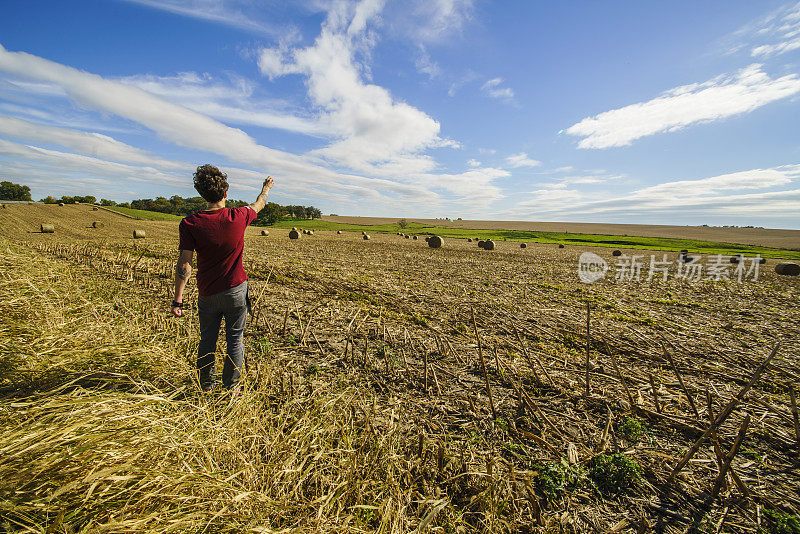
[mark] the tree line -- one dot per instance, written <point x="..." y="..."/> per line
<point x="175" y="205"/>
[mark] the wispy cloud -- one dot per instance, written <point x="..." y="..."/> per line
<point x="756" y="191"/>
<point x="244" y="15"/>
<point x="773" y="34"/>
<point x="719" y="98"/>
<point x="474" y="163"/>
<point x="494" y="89"/>
<point x="522" y="160"/>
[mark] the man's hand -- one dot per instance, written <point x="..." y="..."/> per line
<point x="261" y="201"/>
<point x="177" y="312"/>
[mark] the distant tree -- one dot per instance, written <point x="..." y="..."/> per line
<point x="271" y="214"/>
<point x="12" y="191"/>
<point x="402" y="223"/>
<point x="49" y="200"/>
<point x="106" y="202"/>
<point x="67" y="199"/>
<point x="124" y="205"/>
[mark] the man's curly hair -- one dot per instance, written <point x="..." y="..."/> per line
<point x="210" y="182"/>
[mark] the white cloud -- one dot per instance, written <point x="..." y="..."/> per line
<point x="372" y="131"/>
<point x="425" y="65"/>
<point x="233" y="101"/>
<point x="719" y="98"/>
<point x="244" y="15"/>
<point x="188" y="128"/>
<point x="779" y="32"/>
<point x="493" y="89"/>
<point x="473" y="163"/>
<point x="750" y="192"/>
<point x="87" y="143"/>
<point x="522" y="160"/>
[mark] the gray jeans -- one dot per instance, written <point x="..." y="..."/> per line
<point x="231" y="304"/>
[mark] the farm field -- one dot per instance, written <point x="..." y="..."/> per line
<point x="766" y="237"/>
<point x="390" y="387"/>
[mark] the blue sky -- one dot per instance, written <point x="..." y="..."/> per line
<point x="633" y="112"/>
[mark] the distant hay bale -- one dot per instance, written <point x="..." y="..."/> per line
<point x="488" y="245"/>
<point x="428" y="239"/>
<point x="265" y="232"/>
<point x="294" y="228"/>
<point x="407" y="236"/>
<point x="480" y="243"/>
<point x="2" y="206"/>
<point x="139" y="234"/>
<point x="685" y="258"/>
<point x="787" y="269"/>
<point x="736" y="259"/>
<point x="310" y="232"/>
<point x="338" y="231"/>
<point x="617" y="253"/>
<point x="95" y="209"/>
<point x="416" y="237"/>
<point x="435" y="241"/>
<point x="294" y="234"/>
<point x="560" y="245"/>
<point x="97" y="224"/>
<point x="762" y="261"/>
<point x="47" y="228"/>
<point x="523" y="245"/>
<point x="365" y="233"/>
<point x="60" y="203"/>
<point x="469" y="240"/>
<point x="366" y="236"/>
<point x="684" y="251"/>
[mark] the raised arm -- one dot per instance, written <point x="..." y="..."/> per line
<point x="261" y="201"/>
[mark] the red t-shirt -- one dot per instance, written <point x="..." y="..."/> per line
<point x="218" y="238"/>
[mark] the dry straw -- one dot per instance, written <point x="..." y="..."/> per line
<point x="139" y="234"/>
<point x="265" y="232"/>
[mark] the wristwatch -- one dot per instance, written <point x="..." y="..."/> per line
<point x="176" y="304"/>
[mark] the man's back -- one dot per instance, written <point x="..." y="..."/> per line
<point x="218" y="238"/>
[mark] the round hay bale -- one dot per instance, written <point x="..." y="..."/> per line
<point x="366" y="236"/>
<point x="310" y="232"/>
<point x="684" y="251"/>
<point x="416" y="237"/>
<point x="95" y="209"/>
<point x="139" y="234"/>
<point x="560" y="245"/>
<point x="407" y="236"/>
<point x="97" y="224"/>
<point x="736" y="259"/>
<point x="685" y="258"/>
<point x="47" y="228"/>
<point x="365" y="233"/>
<point x="338" y="232"/>
<point x="294" y="234"/>
<point x="787" y="269"/>
<point x="488" y="245"/>
<point x="435" y="241"/>
<point x="617" y="253"/>
<point x="480" y="243"/>
<point x="294" y="228"/>
<point x="428" y="239"/>
<point x="265" y="232"/>
<point x="762" y="261"/>
<point x="469" y="240"/>
<point x="60" y="203"/>
<point x="2" y="206"/>
<point x="523" y="245"/>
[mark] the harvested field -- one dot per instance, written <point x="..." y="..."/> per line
<point x="391" y="387"/>
<point x="766" y="237"/>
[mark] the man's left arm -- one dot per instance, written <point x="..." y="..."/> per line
<point x="183" y="269"/>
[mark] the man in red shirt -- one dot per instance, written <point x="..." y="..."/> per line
<point x="217" y="234"/>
